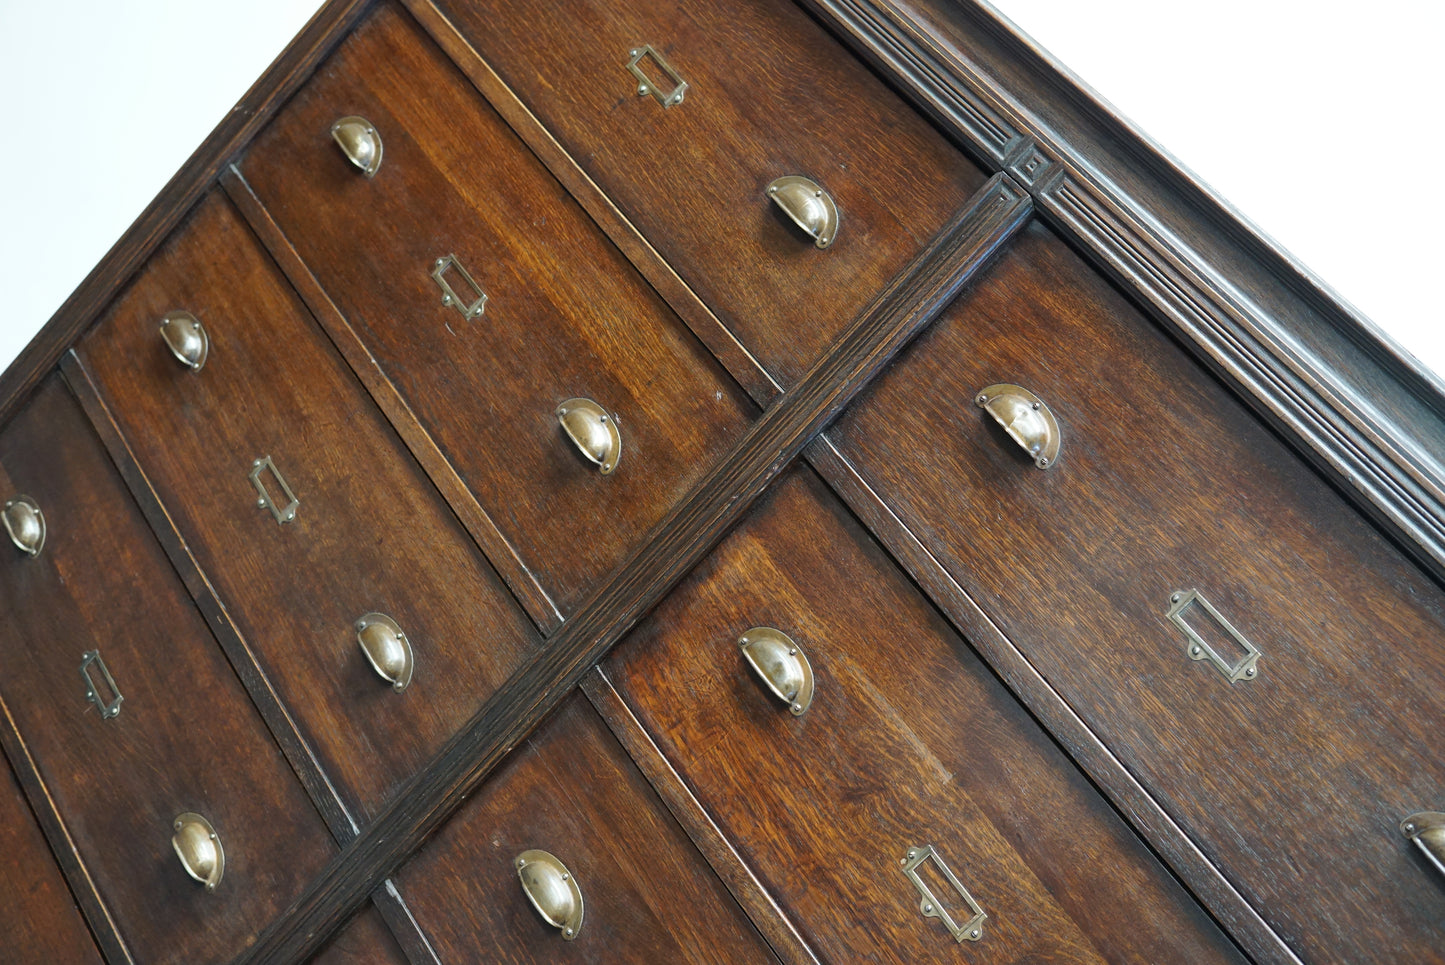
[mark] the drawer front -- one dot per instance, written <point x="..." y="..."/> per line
<point x="1165" y="485"/>
<point x="908" y="741"/>
<point x="38" y="916"/>
<point x="572" y="792"/>
<point x="566" y="315"/>
<point x="770" y="94"/>
<point x="368" y="535"/>
<point x="366" y="941"/>
<point x="184" y="739"/>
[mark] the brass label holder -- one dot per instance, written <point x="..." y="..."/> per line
<point x="450" y="297"/>
<point x="928" y="903"/>
<point x="646" y="86"/>
<point x="102" y="692"/>
<point x="1245" y="668"/>
<point x="283" y="513"/>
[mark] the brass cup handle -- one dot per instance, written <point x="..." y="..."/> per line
<point x="359" y="141"/>
<point x="386" y="648"/>
<point x="199" y="849"/>
<point x="1026" y="419"/>
<point x="808" y="205"/>
<point x="780" y="665"/>
<point x="1427" y="830"/>
<point x="25" y="524"/>
<point x="593" y="431"/>
<point x="552" y="890"/>
<point x="186" y="337"/>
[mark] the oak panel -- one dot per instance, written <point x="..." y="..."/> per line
<point x="566" y="315"/>
<point x="187" y="737"/>
<point x="38" y="916"/>
<point x="571" y="790"/>
<point x="1293" y="782"/>
<point x="770" y="93"/>
<point x="909" y="741"/>
<point x="366" y="941"/>
<point x="369" y="534"/>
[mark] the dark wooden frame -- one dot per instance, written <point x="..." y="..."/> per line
<point x="1339" y="392"/>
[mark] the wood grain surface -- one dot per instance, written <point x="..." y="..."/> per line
<point x="677" y="543"/>
<point x="566" y="316"/>
<point x="572" y="791"/>
<point x="1293" y="783"/>
<point x="369" y="534"/>
<point x="769" y="93"/>
<point x="365" y="941"/>
<point x="38" y="916"/>
<point x="909" y="741"/>
<point x="186" y="737"/>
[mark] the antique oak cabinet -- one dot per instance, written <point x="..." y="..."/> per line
<point x="732" y="481"/>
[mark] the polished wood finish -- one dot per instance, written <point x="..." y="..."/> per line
<point x="1350" y="400"/>
<point x="38" y="916"/>
<point x="899" y="312"/>
<point x="368" y="534"/>
<point x="186" y="737"/>
<point x="909" y="740"/>
<point x="769" y="94"/>
<point x="775" y="925"/>
<point x="365" y="941"/>
<point x="1251" y="793"/>
<point x="567" y="315"/>
<point x="571" y="790"/>
<point x="1165" y="484"/>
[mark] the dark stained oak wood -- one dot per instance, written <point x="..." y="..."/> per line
<point x="909" y="740"/>
<point x="898" y="313"/>
<point x="1142" y="811"/>
<point x="365" y="941"/>
<point x="623" y="233"/>
<point x="369" y="534"/>
<point x="567" y="315"/>
<point x="38" y="916"/>
<point x="571" y="790"/>
<point x="289" y="71"/>
<point x="502" y="555"/>
<point x="767" y="916"/>
<point x="1349" y="399"/>
<point x="277" y="717"/>
<point x="186" y="738"/>
<point x="1291" y="782"/>
<point x="769" y="94"/>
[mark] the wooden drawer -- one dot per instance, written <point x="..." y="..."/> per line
<point x="366" y="941"/>
<point x="186" y="738"/>
<point x="908" y="741"/>
<point x="572" y="791"/>
<point x="369" y="533"/>
<point x="566" y="315"/>
<point x="769" y="94"/>
<point x="1294" y="780"/>
<point x="38" y="916"/>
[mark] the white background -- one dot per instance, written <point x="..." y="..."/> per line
<point x="1320" y="122"/>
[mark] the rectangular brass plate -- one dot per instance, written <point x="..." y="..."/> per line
<point x="283" y="513"/>
<point x="971" y="930"/>
<point x="102" y="692"/>
<point x="645" y="84"/>
<point x="1180" y="604"/>
<point x="450" y="297"/>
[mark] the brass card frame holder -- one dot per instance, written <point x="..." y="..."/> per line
<point x="1245" y="668"/>
<point x="264" y="499"/>
<point x="645" y="84"/>
<point x="928" y="903"/>
<point x="450" y="298"/>
<point x="109" y="706"/>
